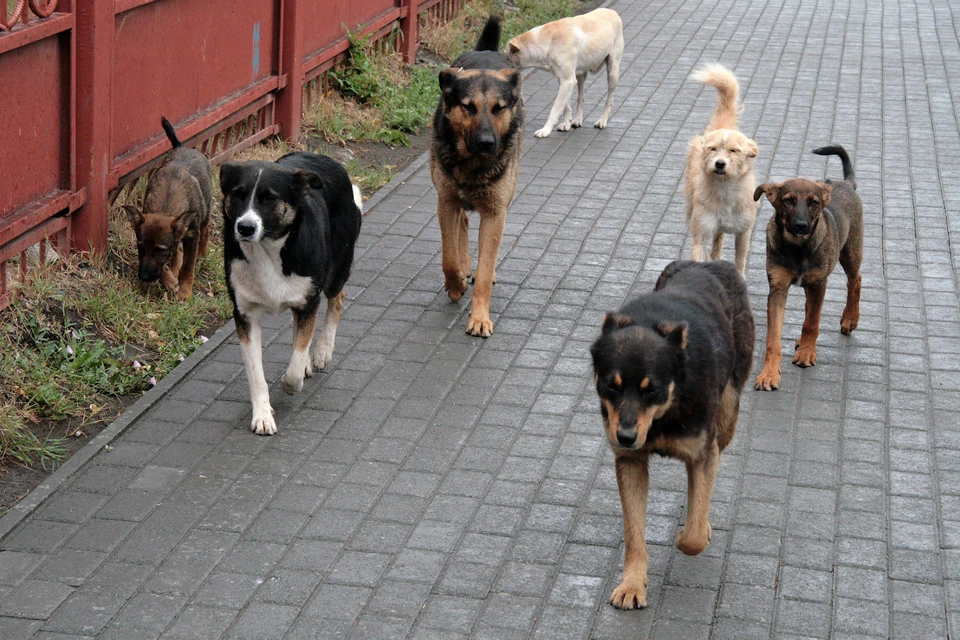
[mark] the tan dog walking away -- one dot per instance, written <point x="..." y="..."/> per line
<point x="719" y="177"/>
<point x="571" y="48"/>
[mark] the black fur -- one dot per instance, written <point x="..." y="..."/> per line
<point x="696" y="330"/>
<point x="324" y="229"/>
<point x="171" y="133"/>
<point x="837" y="150"/>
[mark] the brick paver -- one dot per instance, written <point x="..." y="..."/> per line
<point x="434" y="485"/>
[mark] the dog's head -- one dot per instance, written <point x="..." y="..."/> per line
<point x="158" y="236"/>
<point x="518" y="50"/>
<point x="798" y="204"/>
<point x="637" y="369"/>
<point x="479" y="104"/>
<point x="260" y="199"/>
<point x="724" y="153"/>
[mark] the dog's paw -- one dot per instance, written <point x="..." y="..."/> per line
<point x="694" y="542"/>
<point x="264" y="425"/>
<point x="768" y="380"/>
<point x="322" y="356"/>
<point x="542" y="133"/>
<point x="184" y="294"/>
<point x="456" y="287"/>
<point x="481" y="326"/>
<point x="805" y="357"/>
<point x="629" y="595"/>
<point x="601" y="123"/>
<point x="577" y="123"/>
<point x="564" y="126"/>
<point x="291" y="384"/>
<point x="849" y="322"/>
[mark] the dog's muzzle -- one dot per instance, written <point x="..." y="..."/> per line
<point x="720" y="167"/>
<point x="148" y="273"/>
<point x="801" y="228"/>
<point x="248" y="228"/>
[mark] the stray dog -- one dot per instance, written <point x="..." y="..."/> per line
<point x="570" y="48"/>
<point x="288" y="235"/>
<point x="670" y="367"/>
<point x="814" y="225"/>
<point x="173" y="227"/>
<point x="719" y="175"/>
<point x="474" y="164"/>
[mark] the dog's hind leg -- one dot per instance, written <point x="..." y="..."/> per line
<point x="323" y="352"/>
<point x="850" y="261"/>
<point x="577" y="121"/>
<point x="701" y="474"/>
<point x="563" y="100"/>
<point x="613" y="78"/>
<point x="727" y="414"/>
<point x="251" y="344"/>
<point x="304" y="323"/>
<point x="806" y="355"/>
<point x="633" y="481"/>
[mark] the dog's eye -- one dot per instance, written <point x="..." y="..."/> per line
<point x="734" y="150"/>
<point x="789" y="200"/>
<point x="813" y="202"/>
<point x="469" y="108"/>
<point x="264" y="196"/>
<point x="712" y="149"/>
<point x="496" y="109"/>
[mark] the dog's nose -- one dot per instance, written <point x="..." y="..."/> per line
<point x="627" y="438"/>
<point x="246" y="229"/>
<point x="487" y="144"/>
<point x="801" y="227"/>
<point x="720" y="164"/>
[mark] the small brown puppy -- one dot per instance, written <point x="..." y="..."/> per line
<point x="805" y="240"/>
<point x="474" y="164"/>
<point x="173" y="226"/>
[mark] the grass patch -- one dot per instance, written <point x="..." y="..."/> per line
<point x="449" y="40"/>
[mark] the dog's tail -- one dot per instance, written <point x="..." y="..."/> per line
<point x="726" y="112"/>
<point x="171" y="134"/>
<point x="357" y="198"/>
<point x="490" y="37"/>
<point x="837" y="150"/>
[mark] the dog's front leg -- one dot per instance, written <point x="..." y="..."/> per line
<point x="323" y="353"/>
<point x="491" y="234"/>
<point x="304" y="322"/>
<point x="769" y="378"/>
<point x="169" y="275"/>
<point x="251" y="345"/>
<point x="743" y="249"/>
<point x="450" y="215"/>
<point x="633" y="480"/>
<point x="806" y="355"/>
<point x="563" y="100"/>
<point x="186" y="270"/>
<point x="701" y="475"/>
<point x="613" y="78"/>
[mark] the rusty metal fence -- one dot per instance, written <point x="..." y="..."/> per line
<point x="83" y="84"/>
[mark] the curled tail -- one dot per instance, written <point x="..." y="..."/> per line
<point x="837" y="150"/>
<point x="490" y="37"/>
<point x="171" y="134"/>
<point x="726" y="112"/>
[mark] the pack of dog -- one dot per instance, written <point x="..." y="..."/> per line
<point x="289" y="230"/>
<point x="474" y="164"/>
<point x="172" y="226"/>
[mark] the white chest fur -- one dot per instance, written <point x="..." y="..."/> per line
<point x="259" y="283"/>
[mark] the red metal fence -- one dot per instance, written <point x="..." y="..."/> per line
<point x="83" y="84"/>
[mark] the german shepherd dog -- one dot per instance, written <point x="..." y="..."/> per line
<point x="814" y="226"/>
<point x="289" y="229"/>
<point x="173" y="226"/>
<point x="670" y="367"/>
<point x="474" y="163"/>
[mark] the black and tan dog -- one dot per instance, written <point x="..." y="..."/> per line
<point x="474" y="163"/>
<point x="815" y="225"/>
<point x="173" y="226"/>
<point x="670" y="367"/>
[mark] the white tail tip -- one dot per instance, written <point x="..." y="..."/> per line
<point x="357" y="197"/>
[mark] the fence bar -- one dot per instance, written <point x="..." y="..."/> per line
<point x="290" y="98"/>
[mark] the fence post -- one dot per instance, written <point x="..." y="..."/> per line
<point x="94" y="33"/>
<point x="290" y="98"/>
<point x="409" y="27"/>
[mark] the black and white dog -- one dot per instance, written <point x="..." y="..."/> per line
<point x="288" y="235"/>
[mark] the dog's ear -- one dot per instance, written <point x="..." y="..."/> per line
<point x="303" y="181"/>
<point x="752" y="150"/>
<point x="230" y="173"/>
<point x="135" y="217"/>
<point x="614" y="321"/>
<point x="180" y="225"/>
<point x="675" y="333"/>
<point x="448" y="84"/>
<point x="512" y="48"/>
<point x="825" y="192"/>
<point x="770" y="189"/>
<point x="513" y="77"/>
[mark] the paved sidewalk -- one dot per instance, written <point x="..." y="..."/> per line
<point x="434" y="485"/>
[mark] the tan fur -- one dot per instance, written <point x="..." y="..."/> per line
<point x="571" y="48"/>
<point x="719" y="204"/>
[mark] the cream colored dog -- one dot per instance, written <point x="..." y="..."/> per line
<point x="720" y="180"/>
<point x="569" y="49"/>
